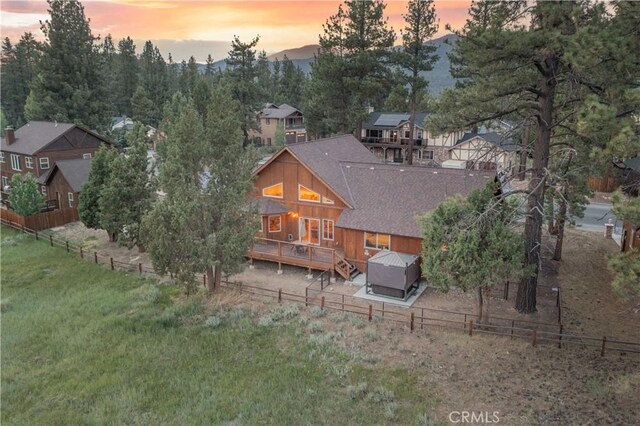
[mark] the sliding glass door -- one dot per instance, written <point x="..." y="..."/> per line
<point x="309" y="230"/>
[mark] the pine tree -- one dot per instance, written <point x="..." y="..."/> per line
<point x="128" y="193"/>
<point x="416" y="55"/>
<point x="126" y="76"/>
<point x="242" y="74"/>
<point x="203" y="223"/>
<point x="155" y="80"/>
<point x="89" y="204"/>
<point x="353" y="62"/>
<point x="18" y="64"/>
<point x="68" y="86"/>
<point x="524" y="60"/>
<point x="209" y="69"/>
<point x="142" y="108"/>
<point x="291" y="84"/>
<point x="108" y="68"/>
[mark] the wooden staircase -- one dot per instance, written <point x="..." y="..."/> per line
<point x="344" y="268"/>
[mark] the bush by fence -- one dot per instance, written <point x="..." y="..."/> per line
<point x="414" y="318"/>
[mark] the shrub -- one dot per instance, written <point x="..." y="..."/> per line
<point x="285" y="312"/>
<point x="318" y="312"/>
<point x="237" y="314"/>
<point x="315" y="327"/>
<point x="424" y="419"/>
<point x="355" y="392"/>
<point x="266" y="321"/>
<point x="370" y="335"/>
<point x="167" y="320"/>
<point x="390" y="410"/>
<point x="213" y="321"/>
<point x="380" y="394"/>
<point x="5" y="305"/>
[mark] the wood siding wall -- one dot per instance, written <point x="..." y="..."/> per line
<point x="290" y="172"/>
<point x="354" y="249"/>
<point x="59" y="189"/>
<point x="630" y="237"/>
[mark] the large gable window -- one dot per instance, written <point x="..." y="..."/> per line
<point x="305" y="194"/>
<point x="274" y="191"/>
<point x="377" y="241"/>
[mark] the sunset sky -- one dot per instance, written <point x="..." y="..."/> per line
<point x="200" y="27"/>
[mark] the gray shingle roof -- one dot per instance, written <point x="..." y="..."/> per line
<point x="392" y="120"/>
<point x="392" y="258"/>
<point x="323" y="157"/>
<point x="267" y="206"/>
<point x="76" y="172"/>
<point x="281" y="111"/>
<point x="388" y="198"/>
<point x="633" y="163"/>
<point x="34" y="136"/>
<point x="494" y="138"/>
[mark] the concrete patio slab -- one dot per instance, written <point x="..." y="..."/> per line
<point x="362" y="293"/>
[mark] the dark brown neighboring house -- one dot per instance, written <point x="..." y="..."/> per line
<point x="335" y="195"/>
<point x="37" y="146"/>
<point x="64" y="181"/>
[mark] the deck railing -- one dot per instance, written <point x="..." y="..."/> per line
<point x="293" y="253"/>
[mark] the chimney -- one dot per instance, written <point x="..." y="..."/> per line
<point x="9" y="135"/>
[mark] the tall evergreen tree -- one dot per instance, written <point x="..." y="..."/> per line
<point x="108" y="67"/>
<point x="18" y="67"/>
<point x="204" y="222"/>
<point x="126" y="76"/>
<point x="155" y="80"/>
<point x="69" y="85"/>
<point x="89" y="204"/>
<point x="291" y="84"/>
<point x="128" y="193"/>
<point x="242" y="74"/>
<point x="416" y="55"/>
<point x="514" y="59"/>
<point x="209" y="69"/>
<point x="353" y="60"/>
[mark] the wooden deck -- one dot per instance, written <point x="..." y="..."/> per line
<point x="304" y="255"/>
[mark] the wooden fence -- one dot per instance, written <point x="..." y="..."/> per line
<point x="413" y="318"/>
<point x="40" y="221"/>
<point x="603" y="184"/>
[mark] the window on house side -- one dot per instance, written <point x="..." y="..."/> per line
<point x="327" y="229"/>
<point x="86" y="156"/>
<point x="261" y="224"/>
<point x="44" y="163"/>
<point x="275" y="223"/>
<point x="377" y="241"/>
<point x="28" y="162"/>
<point x="44" y="190"/>
<point x="15" y="162"/>
<point x="5" y="182"/>
<point x="305" y="194"/>
<point x="70" y="199"/>
<point x="1" y="157"/>
<point x="274" y="191"/>
<point x="326" y="200"/>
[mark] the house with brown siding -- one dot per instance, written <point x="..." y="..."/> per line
<point x="290" y="118"/>
<point x="64" y="181"/>
<point x="332" y="204"/>
<point x="38" y="146"/>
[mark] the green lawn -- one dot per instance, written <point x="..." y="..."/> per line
<point x="85" y="345"/>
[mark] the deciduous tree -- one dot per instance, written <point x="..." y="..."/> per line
<point x="25" y="198"/>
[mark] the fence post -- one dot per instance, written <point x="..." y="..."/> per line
<point x="343" y="303"/>
<point x="140" y="268"/>
<point x="560" y="337"/>
<point x="279" y="295"/>
<point x="421" y="318"/>
<point x="534" y="337"/>
<point x="23" y="231"/>
<point x="558" y="297"/>
<point x="51" y="240"/>
<point x="204" y="280"/>
<point x="37" y="235"/>
<point x="67" y="244"/>
<point x="506" y="291"/>
<point x="411" y="325"/>
<point x="95" y="256"/>
<point x="111" y="258"/>
<point x="465" y="321"/>
<point x="370" y="312"/>
<point x="322" y="303"/>
<point x="382" y="309"/>
<point x="604" y="343"/>
<point x="513" y="324"/>
<point x="81" y="253"/>
<point x="471" y="328"/>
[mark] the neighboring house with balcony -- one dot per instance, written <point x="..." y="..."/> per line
<point x="285" y="115"/>
<point x="387" y="135"/>
<point x="485" y="151"/>
<point x="331" y="204"/>
<point x="37" y="146"/>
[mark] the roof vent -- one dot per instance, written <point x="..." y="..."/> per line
<point x="348" y="166"/>
<point x="371" y="168"/>
<point x="470" y="174"/>
<point x="326" y="153"/>
<point x="402" y="170"/>
<point x="435" y="173"/>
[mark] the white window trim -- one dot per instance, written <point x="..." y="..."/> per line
<point x="28" y="162"/>
<point x="308" y="189"/>
<point x="261" y="224"/>
<point x="5" y="182"/>
<point x="15" y="162"/>
<point x="377" y="247"/>
<point x="327" y="200"/>
<point x="279" y="224"/>
<point x="333" y="230"/>
<point x="43" y="190"/>
<point x="44" y="161"/>
<point x="86" y="156"/>
<point x="271" y="186"/>
<point x="1" y="157"/>
<point x="70" y="196"/>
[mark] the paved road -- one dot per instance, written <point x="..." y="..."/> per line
<point x="595" y="216"/>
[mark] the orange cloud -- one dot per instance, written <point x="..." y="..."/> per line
<point x="281" y="24"/>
